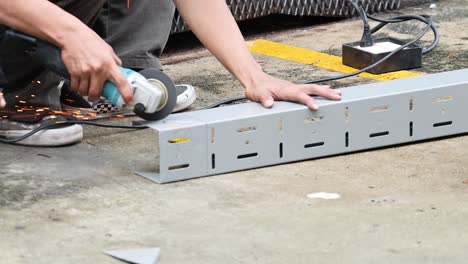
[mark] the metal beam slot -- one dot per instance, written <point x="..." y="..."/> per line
<point x="347" y="139"/>
<point x="441" y="124"/>
<point x="313" y="145"/>
<point x="411" y="104"/>
<point x="443" y="99"/>
<point x="379" y="109"/>
<point x="281" y="150"/>
<point x="411" y="129"/>
<point x="179" y="140"/>
<point x="346" y="113"/>
<point x="379" y="134"/>
<point x="178" y="167"/>
<point x="246" y="156"/>
<point x="312" y="119"/>
<point x="213" y="161"/>
<point x="246" y="129"/>
<point x="212" y="135"/>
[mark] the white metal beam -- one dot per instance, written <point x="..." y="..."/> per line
<point x="245" y="136"/>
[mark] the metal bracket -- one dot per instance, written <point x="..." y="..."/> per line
<point x="245" y="136"/>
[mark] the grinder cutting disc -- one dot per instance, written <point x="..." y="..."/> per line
<point x="162" y="82"/>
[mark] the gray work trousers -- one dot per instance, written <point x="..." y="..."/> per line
<point x="137" y="32"/>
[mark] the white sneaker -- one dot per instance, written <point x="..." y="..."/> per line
<point x="186" y="96"/>
<point x="52" y="137"/>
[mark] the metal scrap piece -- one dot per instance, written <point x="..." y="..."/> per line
<point x="136" y="256"/>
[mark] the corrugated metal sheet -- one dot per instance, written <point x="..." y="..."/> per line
<point x="248" y="9"/>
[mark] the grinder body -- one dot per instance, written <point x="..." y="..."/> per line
<point x="144" y="92"/>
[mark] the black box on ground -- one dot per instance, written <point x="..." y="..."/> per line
<point x="359" y="58"/>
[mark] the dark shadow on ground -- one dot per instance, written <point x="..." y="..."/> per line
<point x="250" y="28"/>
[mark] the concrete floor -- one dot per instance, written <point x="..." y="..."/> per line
<point x="405" y="204"/>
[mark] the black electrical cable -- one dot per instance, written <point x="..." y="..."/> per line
<point x="372" y="65"/>
<point x="366" y="40"/>
<point x="383" y="22"/>
<point x="418" y="37"/>
<point x="423" y="18"/>
<point x="50" y="124"/>
<point x="226" y="101"/>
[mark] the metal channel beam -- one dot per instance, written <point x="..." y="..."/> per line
<point x="246" y="136"/>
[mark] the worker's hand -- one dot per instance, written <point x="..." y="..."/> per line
<point x="90" y="62"/>
<point x="2" y="100"/>
<point x="266" y="89"/>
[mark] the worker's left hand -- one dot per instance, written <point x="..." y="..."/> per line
<point x="266" y="89"/>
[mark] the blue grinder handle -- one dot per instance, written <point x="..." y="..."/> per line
<point x="110" y="90"/>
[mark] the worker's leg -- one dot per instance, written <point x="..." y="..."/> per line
<point x="137" y="30"/>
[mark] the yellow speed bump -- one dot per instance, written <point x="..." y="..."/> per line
<point x="318" y="59"/>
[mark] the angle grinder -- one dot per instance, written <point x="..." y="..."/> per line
<point x="154" y="93"/>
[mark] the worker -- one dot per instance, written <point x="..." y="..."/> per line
<point x="95" y="37"/>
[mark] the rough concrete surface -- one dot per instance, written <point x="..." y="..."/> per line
<point x="406" y="204"/>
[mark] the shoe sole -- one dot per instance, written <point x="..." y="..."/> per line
<point x="48" y="137"/>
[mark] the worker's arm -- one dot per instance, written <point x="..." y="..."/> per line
<point x="88" y="58"/>
<point x="214" y="25"/>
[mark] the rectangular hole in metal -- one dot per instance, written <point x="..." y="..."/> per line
<point x="379" y="109"/>
<point x="246" y="129"/>
<point x="313" y="145"/>
<point x="379" y="134"/>
<point x="411" y="104"/>
<point x="212" y="135"/>
<point x="179" y="140"/>
<point x="443" y="99"/>
<point x="245" y="156"/>
<point x="441" y="124"/>
<point x="281" y="150"/>
<point x="411" y="129"/>
<point x="213" y="161"/>
<point x="346" y="114"/>
<point x="312" y="119"/>
<point x="178" y="167"/>
<point x="347" y="139"/>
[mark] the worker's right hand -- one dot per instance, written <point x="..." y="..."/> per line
<point x="90" y="62"/>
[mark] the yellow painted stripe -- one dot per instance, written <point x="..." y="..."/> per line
<point x="318" y="59"/>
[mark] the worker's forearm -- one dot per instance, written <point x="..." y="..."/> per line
<point x="39" y="18"/>
<point x="212" y="22"/>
